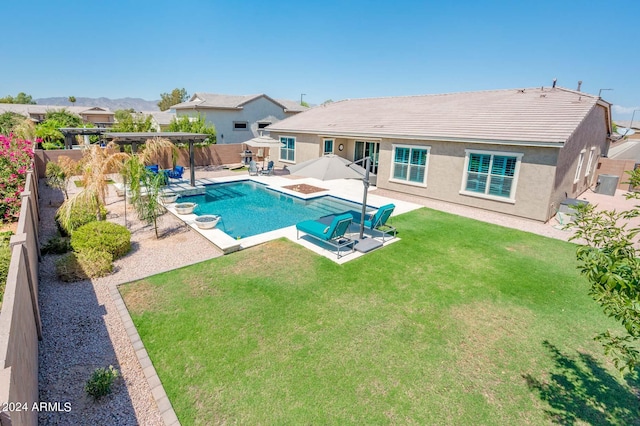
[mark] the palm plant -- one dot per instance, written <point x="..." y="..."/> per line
<point x="144" y="186"/>
<point x="96" y="164"/>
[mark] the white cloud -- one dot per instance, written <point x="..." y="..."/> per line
<point x="624" y="110"/>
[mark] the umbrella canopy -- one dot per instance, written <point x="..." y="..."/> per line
<point x="263" y="142"/>
<point x="328" y="167"/>
<point x="332" y="166"/>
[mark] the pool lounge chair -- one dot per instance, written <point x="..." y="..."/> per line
<point x="377" y="222"/>
<point x="268" y="171"/>
<point x="333" y="234"/>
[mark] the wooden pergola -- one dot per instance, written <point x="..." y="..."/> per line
<point x="139" y="138"/>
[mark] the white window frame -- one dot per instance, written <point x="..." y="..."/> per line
<point x="516" y="173"/>
<point x="333" y="144"/>
<point x="592" y="154"/>
<point x="285" y="160"/>
<point x="426" y="166"/>
<point x="576" y="178"/>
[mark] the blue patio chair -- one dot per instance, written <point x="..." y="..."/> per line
<point x="268" y="171"/>
<point x="153" y="168"/>
<point x="332" y="234"/>
<point x="175" y="173"/>
<point x="377" y="221"/>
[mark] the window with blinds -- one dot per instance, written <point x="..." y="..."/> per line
<point x="491" y="174"/>
<point x="410" y="164"/>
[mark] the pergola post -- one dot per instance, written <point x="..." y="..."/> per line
<point x="192" y="169"/>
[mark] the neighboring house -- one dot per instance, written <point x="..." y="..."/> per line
<point x="100" y="117"/>
<point x="160" y="120"/>
<point x="238" y="118"/>
<point x="520" y="151"/>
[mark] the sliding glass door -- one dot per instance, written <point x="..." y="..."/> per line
<point x="364" y="149"/>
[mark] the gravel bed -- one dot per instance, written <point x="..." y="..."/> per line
<point x="82" y="329"/>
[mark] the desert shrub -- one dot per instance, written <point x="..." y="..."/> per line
<point x="80" y="216"/>
<point x="100" y="382"/>
<point x="105" y="236"/>
<point x="56" y="245"/>
<point x="90" y="263"/>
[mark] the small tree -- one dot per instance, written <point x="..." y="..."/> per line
<point x="145" y="186"/>
<point x="72" y="99"/>
<point x="20" y="98"/>
<point x="167" y="100"/>
<point x="132" y="122"/>
<point x="68" y="119"/>
<point x="194" y="125"/>
<point x="610" y="260"/>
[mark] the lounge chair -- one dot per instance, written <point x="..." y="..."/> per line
<point x="154" y="168"/>
<point x="175" y="173"/>
<point x="253" y="168"/>
<point x="268" y="171"/>
<point x="332" y="234"/>
<point x="377" y="221"/>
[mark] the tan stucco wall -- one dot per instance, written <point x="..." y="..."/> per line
<point x="445" y="175"/>
<point x="592" y="132"/>
<point x="445" y="172"/>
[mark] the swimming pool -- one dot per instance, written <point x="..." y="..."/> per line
<point x="248" y="208"/>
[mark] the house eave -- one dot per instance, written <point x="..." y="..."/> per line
<point x="378" y="136"/>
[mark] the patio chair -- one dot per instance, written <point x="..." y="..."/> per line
<point x="268" y="171"/>
<point x="333" y="234"/>
<point x="253" y="168"/>
<point x="175" y="173"/>
<point x="377" y="221"/>
<point x="153" y="168"/>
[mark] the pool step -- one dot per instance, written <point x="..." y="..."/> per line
<point x="184" y="189"/>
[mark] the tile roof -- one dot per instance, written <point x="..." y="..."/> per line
<point x="26" y="109"/>
<point x="540" y="115"/>
<point x="163" y="118"/>
<point x="214" y="100"/>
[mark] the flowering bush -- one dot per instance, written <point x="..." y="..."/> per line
<point x="16" y="157"/>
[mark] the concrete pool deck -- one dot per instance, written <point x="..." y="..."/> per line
<point x="347" y="189"/>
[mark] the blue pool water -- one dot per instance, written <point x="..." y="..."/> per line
<point x="248" y="208"/>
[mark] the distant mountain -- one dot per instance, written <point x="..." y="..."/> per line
<point x="113" y="104"/>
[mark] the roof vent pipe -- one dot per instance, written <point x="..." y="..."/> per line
<point x="579" y="85"/>
<point x="555" y="80"/>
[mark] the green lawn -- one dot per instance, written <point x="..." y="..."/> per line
<point x="460" y="322"/>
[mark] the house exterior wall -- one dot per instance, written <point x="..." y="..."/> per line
<point x="445" y="174"/>
<point x="251" y="112"/>
<point x="591" y="133"/>
<point x="96" y="119"/>
<point x="445" y="171"/>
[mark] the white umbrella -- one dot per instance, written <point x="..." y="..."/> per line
<point x="263" y="142"/>
<point x="332" y="166"/>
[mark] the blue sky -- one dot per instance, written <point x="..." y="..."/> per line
<point x="324" y="49"/>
